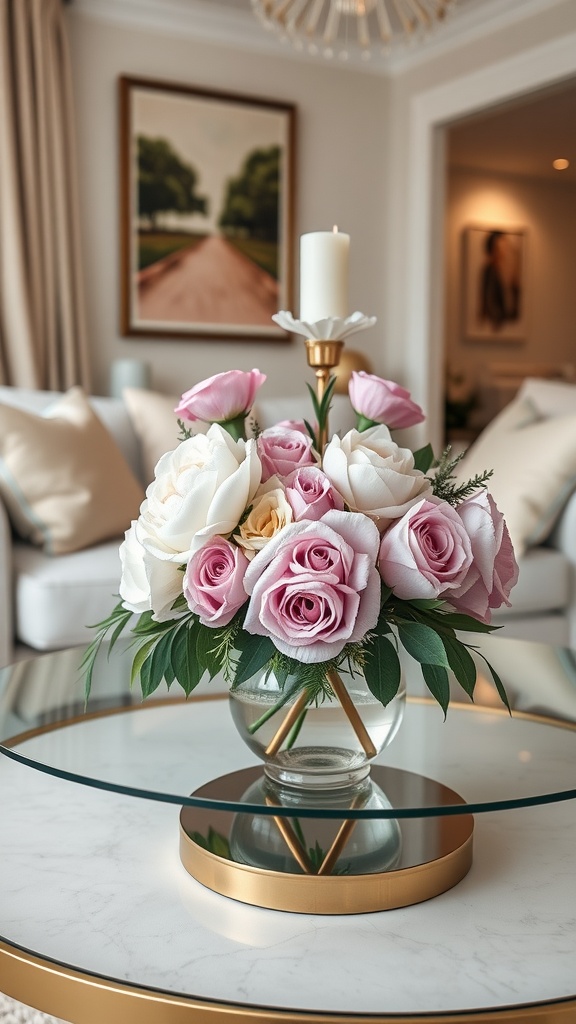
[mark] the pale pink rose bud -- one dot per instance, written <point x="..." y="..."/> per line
<point x="494" y="570"/>
<point x="298" y="425"/>
<point x="314" y="588"/>
<point x="213" y="582"/>
<point x="226" y="396"/>
<point x="282" y="451"/>
<point x="426" y="553"/>
<point x="310" y="493"/>
<point x="376" y="400"/>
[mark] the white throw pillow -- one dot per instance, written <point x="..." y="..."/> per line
<point x="534" y="469"/>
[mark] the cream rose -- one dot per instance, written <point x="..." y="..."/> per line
<point x="271" y="512"/>
<point x="374" y="475"/>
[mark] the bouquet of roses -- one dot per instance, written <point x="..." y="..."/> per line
<point x="268" y="554"/>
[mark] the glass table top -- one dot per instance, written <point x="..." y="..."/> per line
<point x="170" y="750"/>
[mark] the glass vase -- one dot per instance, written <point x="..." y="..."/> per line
<point x="324" y="743"/>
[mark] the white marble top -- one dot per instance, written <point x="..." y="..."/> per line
<point x="94" y="880"/>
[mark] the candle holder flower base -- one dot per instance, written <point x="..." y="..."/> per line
<point x="339" y="852"/>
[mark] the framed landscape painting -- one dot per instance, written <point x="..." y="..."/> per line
<point x="494" y="278"/>
<point x="207" y="185"/>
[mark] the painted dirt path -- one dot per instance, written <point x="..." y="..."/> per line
<point x="212" y="283"/>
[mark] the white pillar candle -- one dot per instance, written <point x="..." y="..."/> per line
<point x="324" y="275"/>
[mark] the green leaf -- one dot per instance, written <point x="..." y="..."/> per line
<point x="205" y="644"/>
<point x="312" y="433"/>
<point x="462" y="664"/>
<point x="183" y="658"/>
<point x="426" y="603"/>
<point x="140" y="657"/>
<point x="382" y="669"/>
<point x="423" y="643"/>
<point x="315" y="403"/>
<point x="498" y="684"/>
<point x="436" y="679"/>
<point x="255" y="653"/>
<point x="424" y="458"/>
<point x="157" y="666"/>
<point x="465" y="623"/>
<point x="218" y="844"/>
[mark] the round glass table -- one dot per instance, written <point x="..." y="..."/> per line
<point x="99" y="916"/>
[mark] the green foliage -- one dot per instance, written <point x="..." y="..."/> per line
<point x="424" y="458"/>
<point x="251" y="206"/>
<point x="165" y="181"/>
<point x="182" y="650"/>
<point x="321" y="409"/>
<point x="444" y="484"/>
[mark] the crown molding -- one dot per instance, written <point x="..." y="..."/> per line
<point x="238" y="28"/>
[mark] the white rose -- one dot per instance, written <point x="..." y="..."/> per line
<point x="200" y="489"/>
<point x="373" y="474"/>
<point x="148" y="583"/>
<point x="270" y="514"/>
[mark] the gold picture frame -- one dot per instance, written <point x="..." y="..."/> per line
<point x="206" y="218"/>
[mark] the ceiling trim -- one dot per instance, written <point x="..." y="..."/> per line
<point x="228" y="26"/>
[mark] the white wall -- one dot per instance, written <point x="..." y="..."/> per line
<point x="548" y="212"/>
<point x="513" y="59"/>
<point x="341" y="178"/>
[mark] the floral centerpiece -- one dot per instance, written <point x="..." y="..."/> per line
<point x="257" y="554"/>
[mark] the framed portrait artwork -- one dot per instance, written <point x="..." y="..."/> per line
<point x="207" y="186"/>
<point x="494" y="279"/>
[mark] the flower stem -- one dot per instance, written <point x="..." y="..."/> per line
<point x="293" y="735"/>
<point x="235" y="427"/>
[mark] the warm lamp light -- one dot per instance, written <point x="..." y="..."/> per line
<point x="561" y="164"/>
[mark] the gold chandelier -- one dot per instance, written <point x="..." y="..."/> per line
<point x="339" y="28"/>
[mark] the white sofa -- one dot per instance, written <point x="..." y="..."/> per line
<point x="48" y="602"/>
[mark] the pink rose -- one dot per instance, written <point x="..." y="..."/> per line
<point x="425" y="553"/>
<point x="314" y="588"/>
<point x="310" y="493"/>
<point x="221" y="398"/>
<point x="213" y="582"/>
<point x="282" y="451"/>
<point x="298" y="425"/>
<point x="382" y="401"/>
<point x="494" y="570"/>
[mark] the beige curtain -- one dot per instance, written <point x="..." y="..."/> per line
<point x="43" y="338"/>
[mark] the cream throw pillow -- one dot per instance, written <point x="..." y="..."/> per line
<point x="534" y="463"/>
<point x="63" y="479"/>
<point x="155" y="424"/>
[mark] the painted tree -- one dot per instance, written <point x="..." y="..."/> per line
<point x="251" y="206"/>
<point x="165" y="182"/>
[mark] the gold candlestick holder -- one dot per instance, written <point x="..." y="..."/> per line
<point x="323" y="356"/>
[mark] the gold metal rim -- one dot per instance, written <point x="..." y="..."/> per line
<point x="21" y="737"/>
<point x="87" y="999"/>
<point x="329" y="894"/>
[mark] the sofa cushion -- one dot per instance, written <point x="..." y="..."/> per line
<point x="64" y="480"/>
<point x="155" y="424"/>
<point x="534" y="469"/>
<point x="111" y="411"/>
<point x="544" y="583"/>
<point x="57" y="599"/>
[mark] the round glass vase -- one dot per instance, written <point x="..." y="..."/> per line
<point x="326" y="743"/>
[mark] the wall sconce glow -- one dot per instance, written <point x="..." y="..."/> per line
<point x="561" y="164"/>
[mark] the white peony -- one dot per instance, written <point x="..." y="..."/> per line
<point x="149" y="582"/>
<point x="374" y="475"/>
<point x="200" y="489"/>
